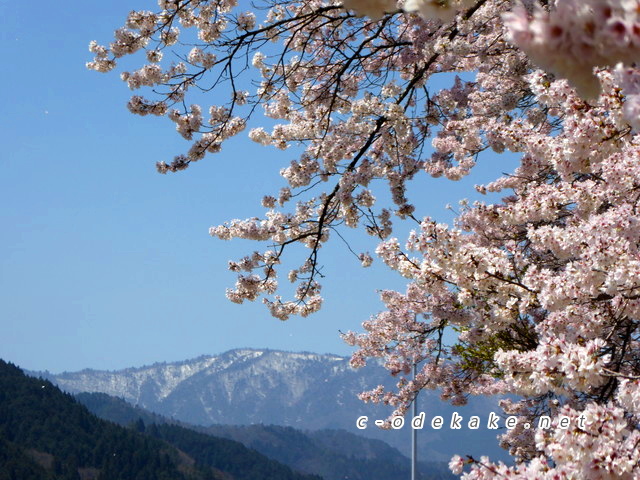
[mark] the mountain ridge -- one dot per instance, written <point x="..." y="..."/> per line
<point x="303" y="390"/>
<point x="66" y="380"/>
<point x="160" y="363"/>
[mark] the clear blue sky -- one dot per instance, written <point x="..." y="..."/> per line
<point x="107" y="264"/>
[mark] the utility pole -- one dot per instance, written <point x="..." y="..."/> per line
<point x="414" y="433"/>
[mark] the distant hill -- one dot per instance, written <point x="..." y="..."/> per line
<point x="332" y="454"/>
<point x="120" y="411"/>
<point x="306" y="391"/>
<point x="46" y="434"/>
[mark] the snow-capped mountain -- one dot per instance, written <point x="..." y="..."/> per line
<point x="248" y="386"/>
<point x="240" y="386"/>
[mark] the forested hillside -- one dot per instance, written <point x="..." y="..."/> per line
<point x="45" y="433"/>
<point x="52" y="430"/>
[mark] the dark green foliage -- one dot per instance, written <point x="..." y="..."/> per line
<point x="35" y="415"/>
<point x="15" y="464"/>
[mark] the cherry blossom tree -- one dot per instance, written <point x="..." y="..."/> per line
<point x="542" y="288"/>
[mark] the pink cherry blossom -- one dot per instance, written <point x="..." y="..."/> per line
<point x="533" y="294"/>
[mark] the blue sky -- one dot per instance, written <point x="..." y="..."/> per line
<point x="107" y="264"/>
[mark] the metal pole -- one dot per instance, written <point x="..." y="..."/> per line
<point x="414" y="433"/>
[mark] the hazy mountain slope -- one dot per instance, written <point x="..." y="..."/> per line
<point x="232" y="457"/>
<point x="118" y="410"/>
<point x="332" y="454"/>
